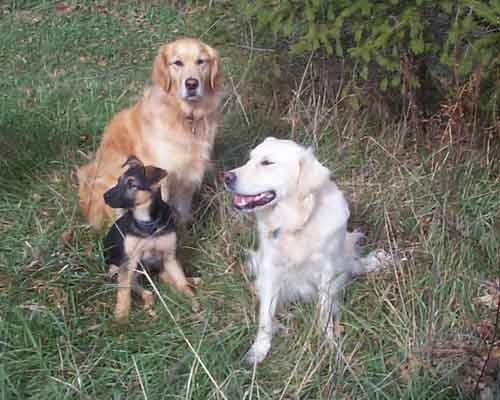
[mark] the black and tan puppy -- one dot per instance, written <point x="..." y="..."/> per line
<point x="143" y="237"/>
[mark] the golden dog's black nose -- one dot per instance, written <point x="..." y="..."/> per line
<point x="192" y="84"/>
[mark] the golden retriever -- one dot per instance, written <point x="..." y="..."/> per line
<point x="304" y="246"/>
<point x="172" y="127"/>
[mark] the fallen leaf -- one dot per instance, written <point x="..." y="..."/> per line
<point x="485" y="329"/>
<point x="488" y="300"/>
<point x="64" y="8"/>
<point x="194" y="281"/>
<point x="66" y="236"/>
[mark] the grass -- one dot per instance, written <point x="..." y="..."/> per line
<point x="65" y="72"/>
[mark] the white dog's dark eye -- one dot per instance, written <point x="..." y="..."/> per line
<point x="200" y="61"/>
<point x="265" y="163"/>
<point x="179" y="63"/>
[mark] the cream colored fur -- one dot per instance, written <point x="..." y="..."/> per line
<point x="305" y="250"/>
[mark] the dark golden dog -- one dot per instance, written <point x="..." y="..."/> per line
<point x="172" y="126"/>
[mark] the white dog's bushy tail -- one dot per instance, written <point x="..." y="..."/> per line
<point x="374" y="261"/>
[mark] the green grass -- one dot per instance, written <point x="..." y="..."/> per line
<point x="64" y="74"/>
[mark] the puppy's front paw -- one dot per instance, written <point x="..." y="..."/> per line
<point x="148" y="299"/>
<point x="121" y="316"/>
<point x="258" y="352"/>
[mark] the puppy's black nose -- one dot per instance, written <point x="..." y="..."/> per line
<point x="192" y="84"/>
<point x="229" y="179"/>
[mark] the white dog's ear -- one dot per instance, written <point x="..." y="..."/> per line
<point x="312" y="175"/>
<point x="294" y="212"/>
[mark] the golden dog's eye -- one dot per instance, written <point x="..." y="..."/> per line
<point x="265" y="163"/>
<point x="179" y="63"/>
<point x="200" y="61"/>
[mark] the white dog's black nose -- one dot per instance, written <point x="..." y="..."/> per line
<point x="192" y="84"/>
<point x="229" y="179"/>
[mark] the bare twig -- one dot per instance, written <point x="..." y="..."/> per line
<point x="490" y="350"/>
<point x="140" y="379"/>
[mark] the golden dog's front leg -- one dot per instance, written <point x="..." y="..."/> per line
<point x="172" y="273"/>
<point x="181" y="197"/>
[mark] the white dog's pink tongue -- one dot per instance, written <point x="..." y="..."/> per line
<point x="241" y="200"/>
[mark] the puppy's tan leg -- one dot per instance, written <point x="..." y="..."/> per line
<point x="146" y="296"/>
<point x="172" y="273"/>
<point x="123" y="298"/>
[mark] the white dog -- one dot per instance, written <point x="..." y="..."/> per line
<point x="304" y="246"/>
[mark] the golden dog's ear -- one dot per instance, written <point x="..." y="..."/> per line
<point x="312" y="175"/>
<point x="160" y="74"/>
<point x="215" y="71"/>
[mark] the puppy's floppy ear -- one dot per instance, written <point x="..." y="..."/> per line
<point x="215" y="72"/>
<point x="132" y="161"/>
<point x="312" y="175"/>
<point x="154" y="174"/>
<point x="161" y="74"/>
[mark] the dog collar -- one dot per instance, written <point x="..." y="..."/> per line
<point x="148" y="227"/>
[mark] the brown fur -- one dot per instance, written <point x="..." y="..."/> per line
<point x="162" y="129"/>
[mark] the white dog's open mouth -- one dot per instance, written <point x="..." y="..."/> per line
<point x="250" y="202"/>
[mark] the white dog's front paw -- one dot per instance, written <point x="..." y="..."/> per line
<point x="258" y="352"/>
<point x="377" y="260"/>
